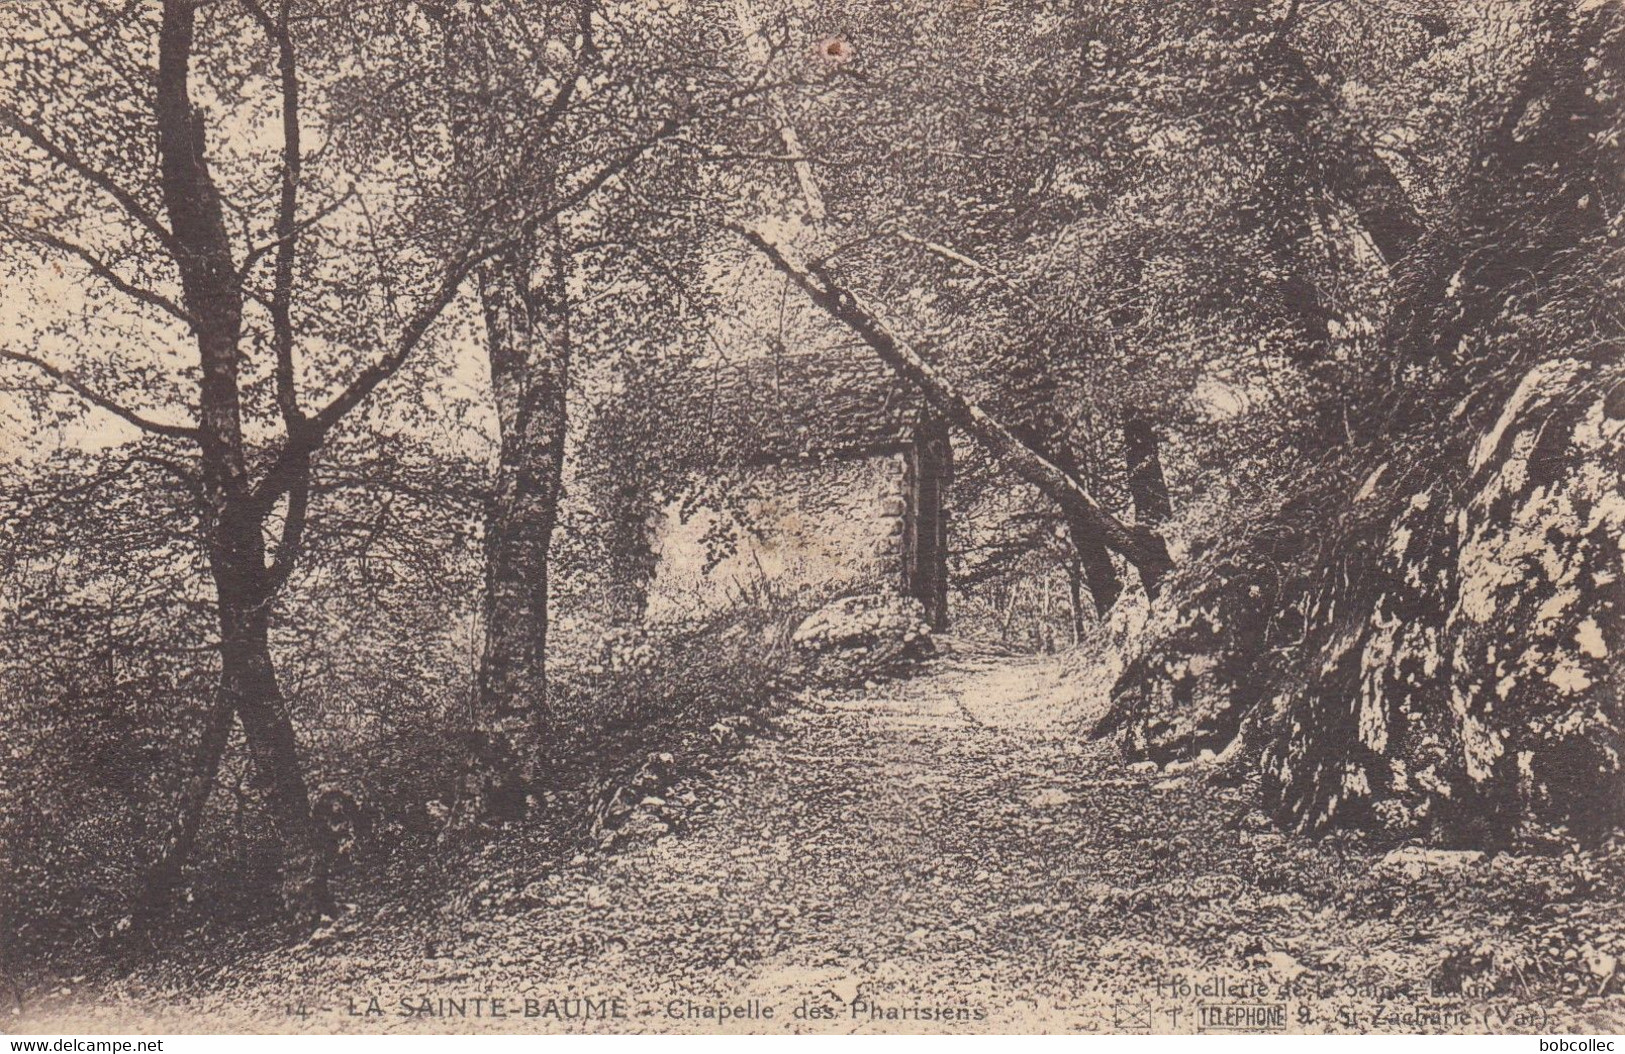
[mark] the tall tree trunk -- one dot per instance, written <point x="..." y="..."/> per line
<point x="1074" y="587"/>
<point x="1098" y="571"/>
<point x="523" y="296"/>
<point x="1146" y="484"/>
<point x="528" y="340"/>
<point x="1011" y="597"/>
<point x="234" y="516"/>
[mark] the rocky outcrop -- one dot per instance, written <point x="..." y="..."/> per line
<point x="853" y="637"/>
<point x="1443" y="654"/>
<point x="1190" y="695"/>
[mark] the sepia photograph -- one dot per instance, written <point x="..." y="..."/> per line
<point x="649" y="517"/>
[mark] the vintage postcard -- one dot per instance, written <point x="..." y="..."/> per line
<point x="812" y="516"/>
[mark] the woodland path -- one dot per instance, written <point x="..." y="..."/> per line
<point x="949" y="841"/>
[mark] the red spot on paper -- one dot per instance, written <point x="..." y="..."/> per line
<point x="834" y="50"/>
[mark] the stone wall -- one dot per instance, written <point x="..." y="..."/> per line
<point x="812" y="530"/>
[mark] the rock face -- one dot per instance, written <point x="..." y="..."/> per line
<point x="1421" y="620"/>
<point x="854" y="636"/>
<point x="1541" y="563"/>
<point x="1193" y="691"/>
<point x="1443" y="654"/>
<point x="1535" y="621"/>
<point x="1475" y="673"/>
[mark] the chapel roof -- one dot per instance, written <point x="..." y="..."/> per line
<point x="796" y="407"/>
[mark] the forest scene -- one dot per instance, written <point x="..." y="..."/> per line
<point x="939" y="515"/>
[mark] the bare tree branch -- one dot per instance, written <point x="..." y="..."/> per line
<point x="312" y="430"/>
<point x="375" y="374"/>
<point x="91" y="174"/>
<point x="947" y="253"/>
<point x="259" y="252"/>
<point x="101" y="269"/>
<point x="95" y="398"/>
<point x="287" y="395"/>
<point x="187" y="478"/>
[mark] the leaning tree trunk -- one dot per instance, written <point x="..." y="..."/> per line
<point x="1149" y="492"/>
<point x="1090" y="556"/>
<point x="247" y="690"/>
<point x="1142" y="546"/>
<point x="248" y="684"/>
<point x="1099" y="573"/>
<point x="164" y="876"/>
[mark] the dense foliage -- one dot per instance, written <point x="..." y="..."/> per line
<point x="1325" y="296"/>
